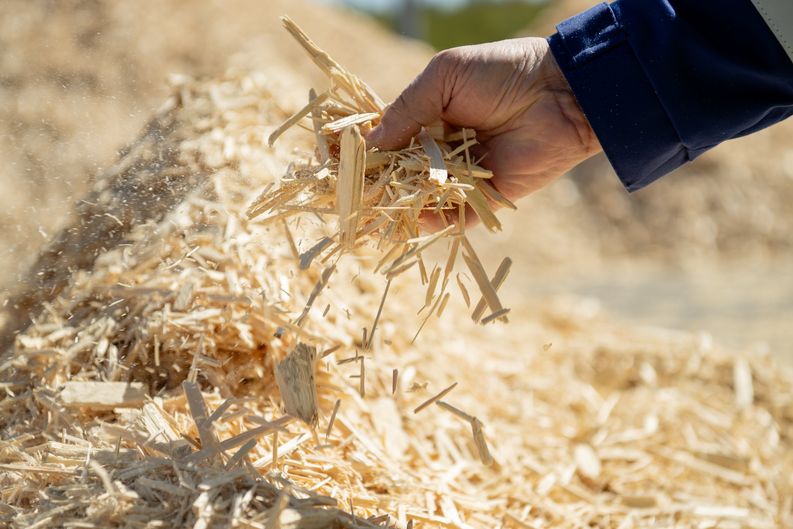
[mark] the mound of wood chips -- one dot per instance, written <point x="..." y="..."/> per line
<point x="198" y="376"/>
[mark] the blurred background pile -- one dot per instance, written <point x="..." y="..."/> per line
<point x="709" y="247"/>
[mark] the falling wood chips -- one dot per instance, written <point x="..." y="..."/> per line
<point x="146" y="394"/>
<point x="295" y="377"/>
<point x="380" y="195"/>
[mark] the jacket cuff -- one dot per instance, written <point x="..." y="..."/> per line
<point x="622" y="107"/>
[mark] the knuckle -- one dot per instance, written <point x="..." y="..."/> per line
<point x="445" y="58"/>
<point x="443" y="61"/>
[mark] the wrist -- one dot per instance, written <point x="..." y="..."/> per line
<point x="556" y="83"/>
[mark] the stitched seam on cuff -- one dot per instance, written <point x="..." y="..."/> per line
<point x="599" y="31"/>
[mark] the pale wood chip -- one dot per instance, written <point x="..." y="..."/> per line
<point x="349" y="189"/>
<point x="347" y="121"/>
<point x="481" y="442"/>
<point x="438" y="173"/>
<point x="103" y="395"/>
<point x="296" y="117"/>
<point x="587" y="461"/>
<point x="478" y="272"/>
<point x="497" y="281"/>
<point x="742" y="381"/>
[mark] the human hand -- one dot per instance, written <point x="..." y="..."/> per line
<point x="530" y="128"/>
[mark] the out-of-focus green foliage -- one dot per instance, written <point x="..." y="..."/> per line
<point x="477" y="22"/>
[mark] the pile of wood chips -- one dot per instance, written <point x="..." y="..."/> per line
<point x="213" y="371"/>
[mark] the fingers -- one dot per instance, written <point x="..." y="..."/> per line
<point x="420" y="104"/>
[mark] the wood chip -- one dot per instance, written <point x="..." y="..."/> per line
<point x="587" y="461"/>
<point x="296" y="381"/>
<point x="103" y="395"/>
<point x="742" y="380"/>
<point x="478" y="272"/>
<point x="348" y="121"/>
<point x="307" y="257"/>
<point x="332" y="418"/>
<point x="496" y="282"/>
<point x="438" y="173"/>
<point x="379" y="313"/>
<point x="349" y="192"/>
<point x="480" y="442"/>
<point x="437" y="397"/>
<point x="296" y="117"/>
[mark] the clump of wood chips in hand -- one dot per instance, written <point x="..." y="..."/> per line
<point x="380" y="195"/>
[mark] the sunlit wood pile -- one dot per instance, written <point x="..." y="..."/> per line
<point x="225" y="368"/>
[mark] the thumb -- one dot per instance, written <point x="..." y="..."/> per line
<point x="420" y="104"/>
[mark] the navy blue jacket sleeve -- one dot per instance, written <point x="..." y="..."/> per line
<point x="662" y="81"/>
